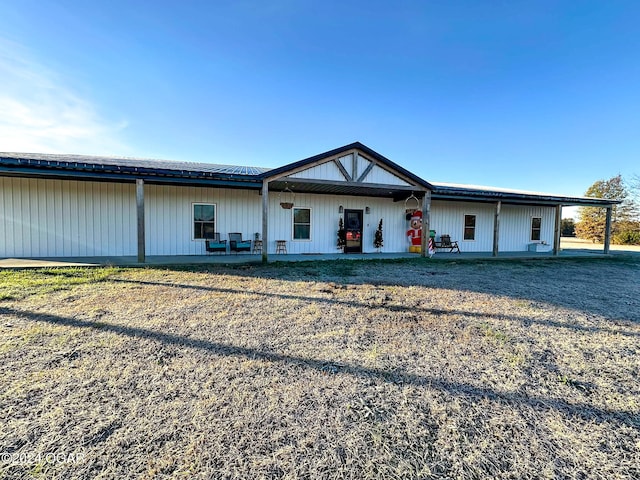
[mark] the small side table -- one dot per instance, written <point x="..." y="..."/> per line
<point x="281" y="246"/>
<point x="257" y="246"/>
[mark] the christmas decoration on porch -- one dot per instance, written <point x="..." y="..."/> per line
<point x="342" y="235"/>
<point x="377" y="239"/>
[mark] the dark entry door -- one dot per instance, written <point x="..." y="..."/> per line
<point x="353" y="227"/>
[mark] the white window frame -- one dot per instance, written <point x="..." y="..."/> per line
<point x="193" y="220"/>
<point x="531" y="229"/>
<point x="464" y="226"/>
<point x="293" y="224"/>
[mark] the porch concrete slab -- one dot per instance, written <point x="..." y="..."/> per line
<point x="161" y="260"/>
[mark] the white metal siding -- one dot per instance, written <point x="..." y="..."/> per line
<point x="363" y="163"/>
<point x="381" y="176"/>
<point x="448" y="218"/>
<point x="324" y="223"/>
<point x="325" y="171"/>
<point x="515" y="226"/>
<point x="53" y="218"/>
<point x="57" y="218"/>
<point x="169" y="216"/>
<point x="347" y="163"/>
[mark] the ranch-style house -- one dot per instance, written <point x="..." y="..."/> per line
<point x="90" y="206"/>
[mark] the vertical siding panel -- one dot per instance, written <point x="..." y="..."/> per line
<point x="6" y="221"/>
<point x="150" y="221"/>
<point x="118" y="219"/>
<point x="18" y="234"/>
<point x="55" y="234"/>
<point x="72" y="193"/>
<point x="67" y="237"/>
<point x="83" y="226"/>
<point x="110" y="234"/>
<point x="26" y="219"/>
<point x="89" y="218"/>
<point x="104" y="217"/>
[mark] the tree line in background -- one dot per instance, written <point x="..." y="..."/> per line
<point x="625" y="217"/>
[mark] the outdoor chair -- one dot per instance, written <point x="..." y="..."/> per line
<point x="215" y="244"/>
<point x="446" y="242"/>
<point x="237" y="244"/>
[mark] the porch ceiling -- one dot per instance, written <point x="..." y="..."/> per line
<point x="301" y="185"/>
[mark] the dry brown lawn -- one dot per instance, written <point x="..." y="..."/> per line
<point x="350" y="369"/>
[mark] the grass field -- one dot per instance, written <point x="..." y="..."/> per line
<point x="349" y="369"/>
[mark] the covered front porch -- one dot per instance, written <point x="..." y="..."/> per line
<point x="576" y="250"/>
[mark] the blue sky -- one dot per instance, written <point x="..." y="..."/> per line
<point x="533" y="95"/>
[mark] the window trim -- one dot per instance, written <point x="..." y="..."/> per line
<point x="464" y="226"/>
<point x="193" y="219"/>
<point x="539" y="230"/>
<point x="293" y="225"/>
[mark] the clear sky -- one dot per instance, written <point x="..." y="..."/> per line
<point x="535" y="95"/>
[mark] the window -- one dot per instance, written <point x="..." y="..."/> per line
<point x="536" y="226"/>
<point x="204" y="220"/>
<point x="469" y="227"/>
<point x="302" y="224"/>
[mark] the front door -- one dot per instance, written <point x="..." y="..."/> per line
<point x="353" y="227"/>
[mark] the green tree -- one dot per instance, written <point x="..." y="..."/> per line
<point x="568" y="227"/>
<point x="592" y="220"/>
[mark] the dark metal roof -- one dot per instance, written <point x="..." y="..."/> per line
<point x="125" y="163"/>
<point x="85" y="167"/>
<point x="443" y="191"/>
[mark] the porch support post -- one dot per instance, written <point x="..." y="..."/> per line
<point x="140" y="218"/>
<point x="607" y="231"/>
<point x="496" y="228"/>
<point x="557" y="231"/>
<point x="265" y="221"/>
<point x="426" y="221"/>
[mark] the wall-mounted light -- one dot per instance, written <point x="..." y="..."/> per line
<point x="340" y="209"/>
<point x="367" y="210"/>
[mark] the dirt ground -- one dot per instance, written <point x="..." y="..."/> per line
<point x="348" y="369"/>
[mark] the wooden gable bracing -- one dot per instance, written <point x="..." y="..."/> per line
<point x="354" y="168"/>
<point x="351" y="170"/>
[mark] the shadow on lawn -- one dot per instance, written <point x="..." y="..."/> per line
<point x="409" y="309"/>
<point x="581" y="410"/>
<point x="594" y="286"/>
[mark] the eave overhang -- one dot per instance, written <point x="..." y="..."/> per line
<point x="492" y="196"/>
<point x="118" y="173"/>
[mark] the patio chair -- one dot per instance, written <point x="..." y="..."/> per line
<point x="215" y="244"/>
<point x="446" y="242"/>
<point x="237" y="244"/>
